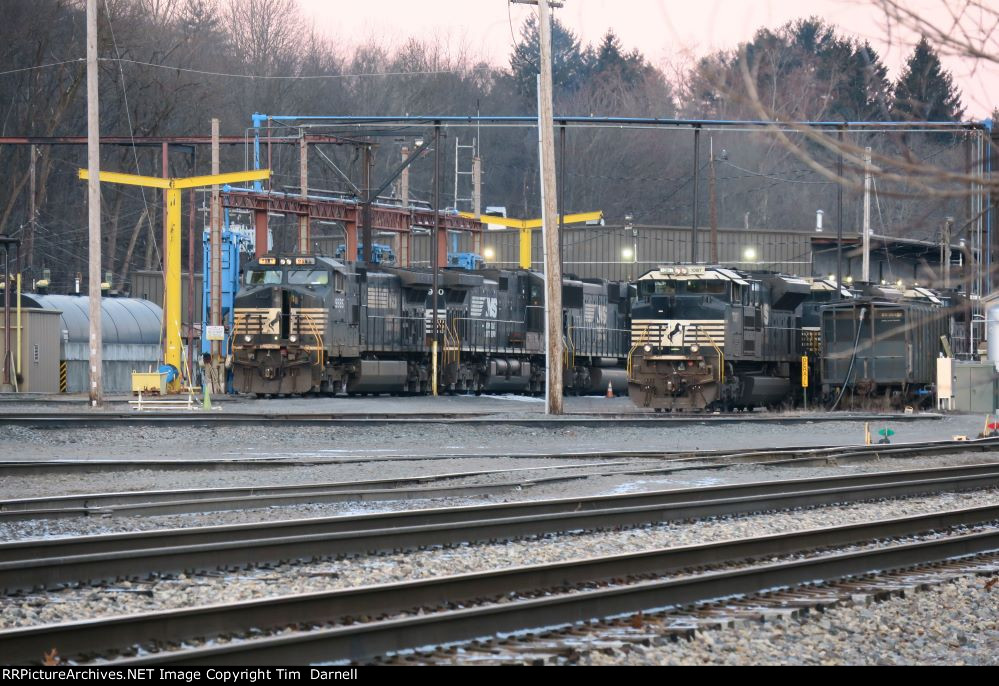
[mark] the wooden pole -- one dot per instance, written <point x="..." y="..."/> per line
<point x="694" y="219"/>
<point x="403" y="237"/>
<point x="435" y="258"/>
<point x="303" y="174"/>
<point x="713" y="202"/>
<point x="866" y="276"/>
<point x="215" y="246"/>
<point x="96" y="389"/>
<point x="549" y="220"/>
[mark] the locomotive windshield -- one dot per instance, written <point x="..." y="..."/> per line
<point x="657" y="287"/>
<point x="310" y="278"/>
<point x="262" y="277"/>
<point x="698" y="287"/>
<point x="708" y="287"/>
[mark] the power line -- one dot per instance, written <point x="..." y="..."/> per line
<point x="42" y="66"/>
<point x="305" y="77"/>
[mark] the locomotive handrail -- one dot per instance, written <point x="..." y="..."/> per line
<point x="598" y="343"/>
<point x="495" y="345"/>
<point x="422" y="324"/>
<point x="570" y="348"/>
<point x="315" y="332"/>
<point x="641" y="341"/>
<point x="721" y="355"/>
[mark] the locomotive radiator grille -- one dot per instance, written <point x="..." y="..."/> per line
<point x="308" y="321"/>
<point x="677" y="333"/>
<point x="253" y="321"/>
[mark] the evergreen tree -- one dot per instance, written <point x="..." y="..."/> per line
<point x="925" y="92"/>
<point x="609" y="59"/>
<point x="569" y="67"/>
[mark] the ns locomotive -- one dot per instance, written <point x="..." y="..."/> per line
<point x="309" y="324"/>
<point x="706" y="337"/>
<point x="710" y="337"/>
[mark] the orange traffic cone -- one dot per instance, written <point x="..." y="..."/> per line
<point x="610" y="390"/>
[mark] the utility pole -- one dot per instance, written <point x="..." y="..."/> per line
<point x="839" y="219"/>
<point x="945" y="250"/>
<point x="215" y="248"/>
<point x="867" y="215"/>
<point x="549" y="218"/>
<point x="94" y="209"/>
<point x="712" y="203"/>
<point x="32" y="210"/>
<point x="303" y="174"/>
<point x="693" y="226"/>
<point x="403" y="239"/>
<point x="435" y="259"/>
<point x="366" y="250"/>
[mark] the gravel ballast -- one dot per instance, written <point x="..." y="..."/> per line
<point x="954" y="623"/>
<point x="202" y="589"/>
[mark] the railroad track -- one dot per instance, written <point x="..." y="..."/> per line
<point x="48" y="563"/>
<point x="150" y="503"/>
<point x="568" y="645"/>
<point x="489" y="419"/>
<point x="362" y="623"/>
<point x="182" y="501"/>
<point x="797" y="454"/>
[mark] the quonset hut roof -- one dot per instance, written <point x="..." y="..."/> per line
<point x="123" y="320"/>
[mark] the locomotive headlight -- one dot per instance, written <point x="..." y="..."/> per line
<point x="293" y="338"/>
<point x="248" y="338"/>
<point x="694" y="349"/>
<point x="647" y="348"/>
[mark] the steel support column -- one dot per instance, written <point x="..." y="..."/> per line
<point x="172" y="286"/>
<point x="260" y="232"/>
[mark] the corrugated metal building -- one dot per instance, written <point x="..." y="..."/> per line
<point x="148" y="285"/>
<point x="130" y="328"/>
<point x="39" y="351"/>
<point x="599" y="251"/>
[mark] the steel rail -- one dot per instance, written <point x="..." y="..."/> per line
<point x="801" y="454"/>
<point x="50" y="420"/>
<point x="203" y="499"/>
<point x="102" y="634"/>
<point x="369" y="639"/>
<point x="48" y="563"/>
<point x="931" y="478"/>
<point x="188" y="501"/>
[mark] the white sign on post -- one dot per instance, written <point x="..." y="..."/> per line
<point x="215" y="333"/>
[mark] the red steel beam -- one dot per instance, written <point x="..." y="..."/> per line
<point x="330" y="209"/>
<point x="171" y="140"/>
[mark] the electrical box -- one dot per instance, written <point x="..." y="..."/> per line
<point x="974" y="387"/>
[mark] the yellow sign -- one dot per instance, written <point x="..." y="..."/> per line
<point x="804" y="372"/>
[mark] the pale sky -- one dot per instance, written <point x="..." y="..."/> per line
<point x="667" y="32"/>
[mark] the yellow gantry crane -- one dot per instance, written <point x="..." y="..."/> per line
<point x="172" y="250"/>
<point x="528" y="225"/>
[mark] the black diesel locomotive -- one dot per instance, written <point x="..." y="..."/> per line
<point x="707" y="337"/>
<point x="310" y="324"/>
